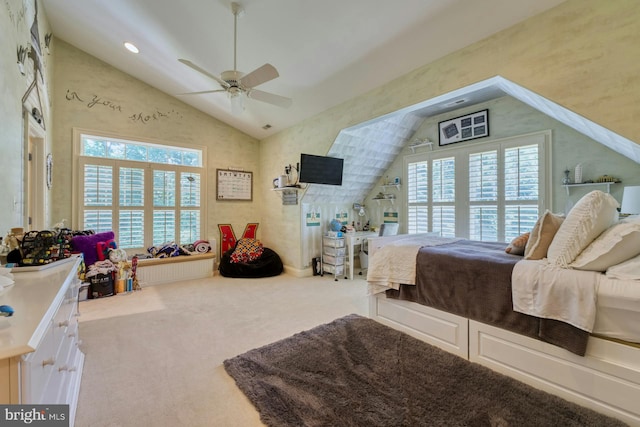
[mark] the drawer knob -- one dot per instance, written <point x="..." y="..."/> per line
<point x="63" y="368"/>
<point x="63" y="323"/>
<point x="50" y="361"/>
<point x="71" y="335"/>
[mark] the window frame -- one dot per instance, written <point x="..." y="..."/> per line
<point x="461" y="153"/>
<point x="80" y="160"/>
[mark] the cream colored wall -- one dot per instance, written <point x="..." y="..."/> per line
<point x="579" y="54"/>
<point x="16" y="17"/>
<point x="121" y="103"/>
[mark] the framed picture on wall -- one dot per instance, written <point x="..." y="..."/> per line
<point x="464" y="128"/>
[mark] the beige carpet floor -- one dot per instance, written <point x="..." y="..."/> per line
<point x="154" y="357"/>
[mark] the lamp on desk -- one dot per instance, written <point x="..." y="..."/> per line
<point x="630" y="200"/>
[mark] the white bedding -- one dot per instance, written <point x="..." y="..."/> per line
<point x="395" y="263"/>
<point x="618" y="309"/>
<point x="603" y="306"/>
<point x="544" y="290"/>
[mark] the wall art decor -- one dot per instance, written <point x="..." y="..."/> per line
<point x="464" y="128"/>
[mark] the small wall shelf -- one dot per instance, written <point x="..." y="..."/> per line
<point x="386" y="199"/>
<point x="289" y="195"/>
<point x="586" y="184"/>
<point x="385" y="186"/>
<point x="422" y="144"/>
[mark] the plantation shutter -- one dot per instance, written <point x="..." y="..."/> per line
<point x="131" y="212"/>
<point x="521" y="166"/>
<point x="418" y="197"/>
<point x="444" y="197"/>
<point x="483" y="196"/>
<point x="98" y="198"/>
<point x="190" y="207"/>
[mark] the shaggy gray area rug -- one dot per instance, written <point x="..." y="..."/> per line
<point x="357" y="372"/>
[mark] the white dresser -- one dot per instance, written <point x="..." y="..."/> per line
<point x="40" y="358"/>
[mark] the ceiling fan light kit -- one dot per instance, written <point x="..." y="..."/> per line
<point x="238" y="85"/>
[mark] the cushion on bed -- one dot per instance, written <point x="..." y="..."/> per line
<point x="517" y="245"/>
<point x="541" y="236"/>
<point x="628" y="270"/>
<point x="616" y="244"/>
<point x="594" y="213"/>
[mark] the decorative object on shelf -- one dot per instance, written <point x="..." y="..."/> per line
<point x="566" y="180"/>
<point x="577" y="174"/>
<point x="607" y="178"/>
<point x="22" y="56"/>
<point x="464" y="128"/>
<point x="49" y="173"/>
<point x="47" y="42"/>
<point x="630" y="200"/>
<point x="281" y="181"/>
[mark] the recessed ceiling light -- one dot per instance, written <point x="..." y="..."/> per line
<point x="131" y="47"/>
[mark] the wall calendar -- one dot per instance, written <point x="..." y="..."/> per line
<point x="234" y="185"/>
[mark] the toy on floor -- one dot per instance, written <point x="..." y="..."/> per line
<point x="6" y="311"/>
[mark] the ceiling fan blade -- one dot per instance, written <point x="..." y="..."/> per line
<point x="259" y="75"/>
<point x="203" y="71"/>
<point x="201" y="92"/>
<point x="270" y="98"/>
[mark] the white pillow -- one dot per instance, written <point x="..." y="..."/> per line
<point x="594" y="213"/>
<point x="616" y="244"/>
<point x="628" y="270"/>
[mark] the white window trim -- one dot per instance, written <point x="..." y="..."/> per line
<point x="76" y="219"/>
<point x="543" y="138"/>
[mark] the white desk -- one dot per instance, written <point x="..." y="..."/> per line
<point x="355" y="239"/>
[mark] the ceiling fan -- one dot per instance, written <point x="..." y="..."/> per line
<point x="237" y="84"/>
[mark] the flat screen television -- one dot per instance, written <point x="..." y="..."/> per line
<point x="320" y="169"/>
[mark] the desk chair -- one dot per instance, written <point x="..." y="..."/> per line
<point x="386" y="229"/>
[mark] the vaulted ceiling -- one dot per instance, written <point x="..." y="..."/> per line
<point x="326" y="52"/>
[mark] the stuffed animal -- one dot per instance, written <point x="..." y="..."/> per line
<point x="117" y="255"/>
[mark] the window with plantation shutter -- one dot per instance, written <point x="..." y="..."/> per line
<point x="148" y="194"/>
<point x="493" y="191"/>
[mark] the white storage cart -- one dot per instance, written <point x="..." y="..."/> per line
<point x="333" y="256"/>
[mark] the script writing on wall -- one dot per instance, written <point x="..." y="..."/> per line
<point x="99" y="102"/>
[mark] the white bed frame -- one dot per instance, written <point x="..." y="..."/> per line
<point x="606" y="379"/>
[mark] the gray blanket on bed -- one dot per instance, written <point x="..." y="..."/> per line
<point x="473" y="279"/>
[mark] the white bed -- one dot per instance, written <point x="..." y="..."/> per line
<point x="606" y="379"/>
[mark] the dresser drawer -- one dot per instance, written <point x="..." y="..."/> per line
<point x="56" y="388"/>
<point x="37" y="368"/>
